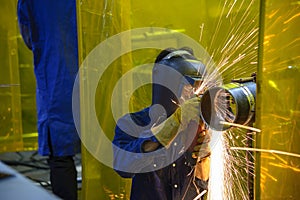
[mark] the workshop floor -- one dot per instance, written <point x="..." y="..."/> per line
<point x="33" y="166"/>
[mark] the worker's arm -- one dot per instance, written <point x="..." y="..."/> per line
<point x="178" y="121"/>
<point x="24" y="22"/>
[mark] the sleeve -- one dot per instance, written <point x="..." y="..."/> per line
<point x="24" y="22"/>
<point x="129" y="157"/>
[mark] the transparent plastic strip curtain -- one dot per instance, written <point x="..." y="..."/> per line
<point x="97" y="21"/>
<point x="278" y="106"/>
<point x="10" y="87"/>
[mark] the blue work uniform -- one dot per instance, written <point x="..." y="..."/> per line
<point x="175" y="181"/>
<point x="50" y="31"/>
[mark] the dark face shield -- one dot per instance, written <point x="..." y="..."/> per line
<point x="175" y="78"/>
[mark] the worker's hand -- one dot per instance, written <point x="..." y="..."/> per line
<point x="201" y="152"/>
<point x="179" y="120"/>
<point x="202" y="148"/>
<point x="188" y="111"/>
<point x="202" y="169"/>
<point x="166" y="131"/>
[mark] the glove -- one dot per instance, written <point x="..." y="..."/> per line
<point x="202" y="169"/>
<point x="202" y="154"/>
<point x="202" y="148"/>
<point x="179" y="120"/>
<point x="188" y="111"/>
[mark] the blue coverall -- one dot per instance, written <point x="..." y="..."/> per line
<point x="173" y="182"/>
<point x="49" y="29"/>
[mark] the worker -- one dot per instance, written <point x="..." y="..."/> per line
<point x="49" y="30"/>
<point x="164" y="148"/>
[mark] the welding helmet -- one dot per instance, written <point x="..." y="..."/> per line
<point x="173" y="70"/>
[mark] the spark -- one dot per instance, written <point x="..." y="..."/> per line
<point x="270" y="176"/>
<point x="239" y="58"/>
<point x="285" y="166"/>
<point x="241" y="126"/>
<point x="266" y="151"/>
<point x="217" y="167"/>
<point x="173" y="101"/>
<point x="227" y="178"/>
<point x="200" y="195"/>
<point x="231" y="8"/>
<point x="227" y="43"/>
<point x="290" y="19"/>
<point x="201" y="31"/>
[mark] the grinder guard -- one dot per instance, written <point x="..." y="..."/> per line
<point x="233" y="102"/>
